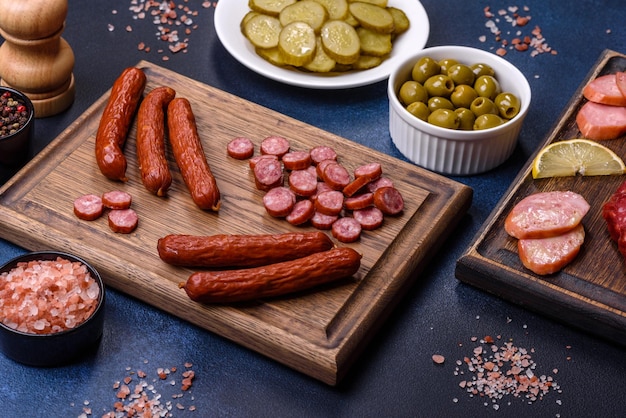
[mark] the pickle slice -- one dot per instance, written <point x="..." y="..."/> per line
<point x="245" y="19"/>
<point x="400" y="20"/>
<point x="372" y="17"/>
<point x="365" y="62"/>
<point x="321" y="62"/>
<point x="307" y="11"/>
<point x="380" y="3"/>
<point x="340" y="41"/>
<point x="269" y="7"/>
<point x="271" y="55"/>
<point x="337" y="9"/>
<point x="263" y="31"/>
<point x="296" y="43"/>
<point x="374" y="43"/>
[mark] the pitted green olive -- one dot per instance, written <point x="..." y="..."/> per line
<point x="446" y="63"/>
<point x="419" y="110"/>
<point x="412" y="91"/>
<point x="508" y="105"/>
<point x="463" y="95"/>
<point x="483" y="106"/>
<point x="482" y="69"/>
<point x="439" y="85"/>
<point x="425" y="68"/>
<point x="486" y="121"/>
<point x="461" y="74"/>
<point x="438" y="102"/>
<point x="444" y="118"/>
<point x="466" y="118"/>
<point x="487" y="86"/>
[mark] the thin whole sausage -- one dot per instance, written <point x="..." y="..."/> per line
<point x="227" y="286"/>
<point x="189" y="155"/>
<point x="240" y="250"/>
<point x="116" y="121"/>
<point x="155" y="173"/>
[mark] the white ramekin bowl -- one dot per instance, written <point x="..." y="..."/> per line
<point x="449" y="151"/>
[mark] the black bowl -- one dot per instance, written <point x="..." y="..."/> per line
<point x="53" y="349"/>
<point x="14" y="147"/>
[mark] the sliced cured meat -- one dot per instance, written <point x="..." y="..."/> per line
<point x="372" y="171"/>
<point x="253" y="160"/>
<point x="346" y="229"/>
<point x="275" y="145"/>
<point x="319" y="168"/>
<point x="614" y="213"/>
<point x="88" y="207"/>
<point x="336" y="176"/>
<point x="240" y="148"/>
<point x="620" y="80"/>
<point x="279" y="201"/>
<point x="355" y="185"/>
<point x="268" y="173"/>
<point x="380" y="182"/>
<point x="389" y="200"/>
<point x="297" y="160"/>
<point x="323" y="221"/>
<point x="117" y="199"/>
<point x="321" y="153"/>
<point x="549" y="255"/>
<point x="546" y="214"/>
<point x="303" y="183"/>
<point x="123" y="221"/>
<point x="605" y="90"/>
<point x="329" y="202"/>
<point x="301" y="213"/>
<point x="599" y="121"/>
<point x="369" y="218"/>
<point x="321" y="187"/>
<point x="360" y="201"/>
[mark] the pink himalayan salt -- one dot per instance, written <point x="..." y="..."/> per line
<point x="47" y="296"/>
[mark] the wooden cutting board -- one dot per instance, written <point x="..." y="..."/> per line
<point x="319" y="332"/>
<point x="590" y="293"/>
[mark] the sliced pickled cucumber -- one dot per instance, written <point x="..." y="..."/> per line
<point x="401" y="21"/>
<point x="263" y="31"/>
<point x="340" y="41"/>
<point x="321" y="62"/>
<point x="337" y="9"/>
<point x="381" y="3"/>
<point x="244" y="20"/>
<point x="296" y="43"/>
<point x="271" y="55"/>
<point x="307" y="11"/>
<point x="365" y="62"/>
<point x="372" y="17"/>
<point x="269" y="7"/>
<point x="374" y="43"/>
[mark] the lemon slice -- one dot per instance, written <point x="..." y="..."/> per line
<point x="576" y="156"/>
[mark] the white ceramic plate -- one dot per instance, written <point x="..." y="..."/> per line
<point x="228" y="15"/>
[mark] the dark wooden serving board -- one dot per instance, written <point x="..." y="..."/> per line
<point x="590" y="293"/>
<point x="319" y="333"/>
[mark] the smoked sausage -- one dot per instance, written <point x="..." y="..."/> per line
<point x="116" y="121"/>
<point x="226" y="286"/>
<point x="155" y="173"/>
<point x="239" y="250"/>
<point x="189" y="155"/>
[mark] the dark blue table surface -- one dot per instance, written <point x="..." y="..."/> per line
<point x="395" y="376"/>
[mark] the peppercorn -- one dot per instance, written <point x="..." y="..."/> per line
<point x="14" y="114"/>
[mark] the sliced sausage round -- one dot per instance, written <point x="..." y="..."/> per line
<point x="321" y="153"/>
<point x="123" y="221"/>
<point x="268" y="173"/>
<point x="336" y="176"/>
<point x="275" y="145"/>
<point x="88" y="207"/>
<point x="322" y="221"/>
<point x="346" y="229"/>
<point x="117" y="199"/>
<point x="297" y="160"/>
<point x="359" y="201"/>
<point x="329" y="202"/>
<point x="302" y="182"/>
<point x="372" y="171"/>
<point x="545" y="214"/>
<point x="389" y="200"/>
<point x="369" y="218"/>
<point x="301" y="213"/>
<point x="240" y="148"/>
<point x="279" y="201"/>
<point x="378" y="183"/>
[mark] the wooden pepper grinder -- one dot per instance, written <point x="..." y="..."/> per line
<point x="34" y="58"/>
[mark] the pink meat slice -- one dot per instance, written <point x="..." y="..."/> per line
<point x="546" y="214"/>
<point x="549" y="255"/>
<point x="599" y="121"/>
<point x="605" y="90"/>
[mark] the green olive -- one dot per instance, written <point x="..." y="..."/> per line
<point x="508" y="105"/>
<point x="446" y="63"/>
<point x="461" y="74"/>
<point x="487" y="121"/>
<point x="412" y="91"/>
<point x="466" y="118"/>
<point x="463" y="95"/>
<point x="419" y="110"/>
<point x="487" y="86"/>
<point x="482" y="106"/>
<point x="482" y="69"/>
<point x="444" y="118"/>
<point x="439" y="85"/>
<point x="438" y="102"/>
<point x="425" y="68"/>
